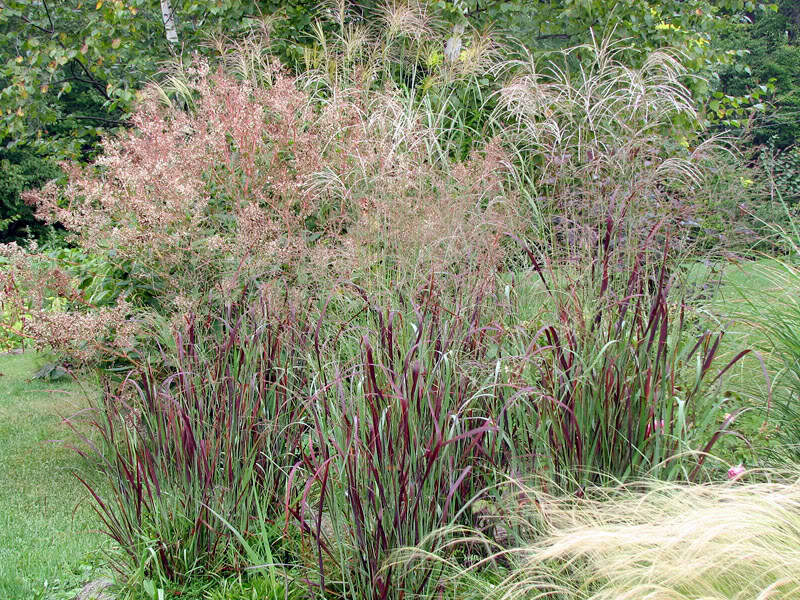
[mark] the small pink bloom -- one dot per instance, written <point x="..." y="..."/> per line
<point x="736" y="472"/>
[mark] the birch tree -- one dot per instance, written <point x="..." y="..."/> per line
<point x="169" y="22"/>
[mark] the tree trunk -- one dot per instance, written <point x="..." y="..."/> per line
<point x="169" y="22"/>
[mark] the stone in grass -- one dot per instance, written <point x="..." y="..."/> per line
<point x="95" y="590"/>
<point x="51" y="372"/>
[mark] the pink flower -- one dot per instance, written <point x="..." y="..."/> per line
<point x="736" y="472"/>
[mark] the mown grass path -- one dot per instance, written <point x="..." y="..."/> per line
<point x="748" y="288"/>
<point x="45" y="520"/>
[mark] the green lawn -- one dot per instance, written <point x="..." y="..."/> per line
<point x="45" y="520"/>
<point x="748" y="290"/>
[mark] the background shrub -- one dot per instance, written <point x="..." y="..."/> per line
<point x="21" y="170"/>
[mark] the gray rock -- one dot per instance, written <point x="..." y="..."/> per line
<point x="95" y="590"/>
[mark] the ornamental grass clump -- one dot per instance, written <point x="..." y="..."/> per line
<point x="406" y="438"/>
<point x="196" y="453"/>
<point x="440" y="71"/>
<point x="623" y="380"/>
<point x="723" y="541"/>
<point x="624" y="377"/>
<point x="593" y="137"/>
<point x="357" y="436"/>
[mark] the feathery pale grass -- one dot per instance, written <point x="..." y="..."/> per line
<point x="600" y="115"/>
<point x="591" y="132"/>
<point x="658" y="540"/>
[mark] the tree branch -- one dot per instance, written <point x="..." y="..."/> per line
<point x="49" y="17"/>
<point x="28" y="21"/>
<point x="478" y="9"/>
<point x="124" y="123"/>
<point x="550" y="36"/>
<point x="566" y="36"/>
<point x="91" y="80"/>
<point x="67" y="79"/>
<point x="558" y="36"/>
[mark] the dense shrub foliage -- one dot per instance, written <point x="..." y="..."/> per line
<point x="262" y="182"/>
<point x="21" y="171"/>
<point x="252" y="173"/>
